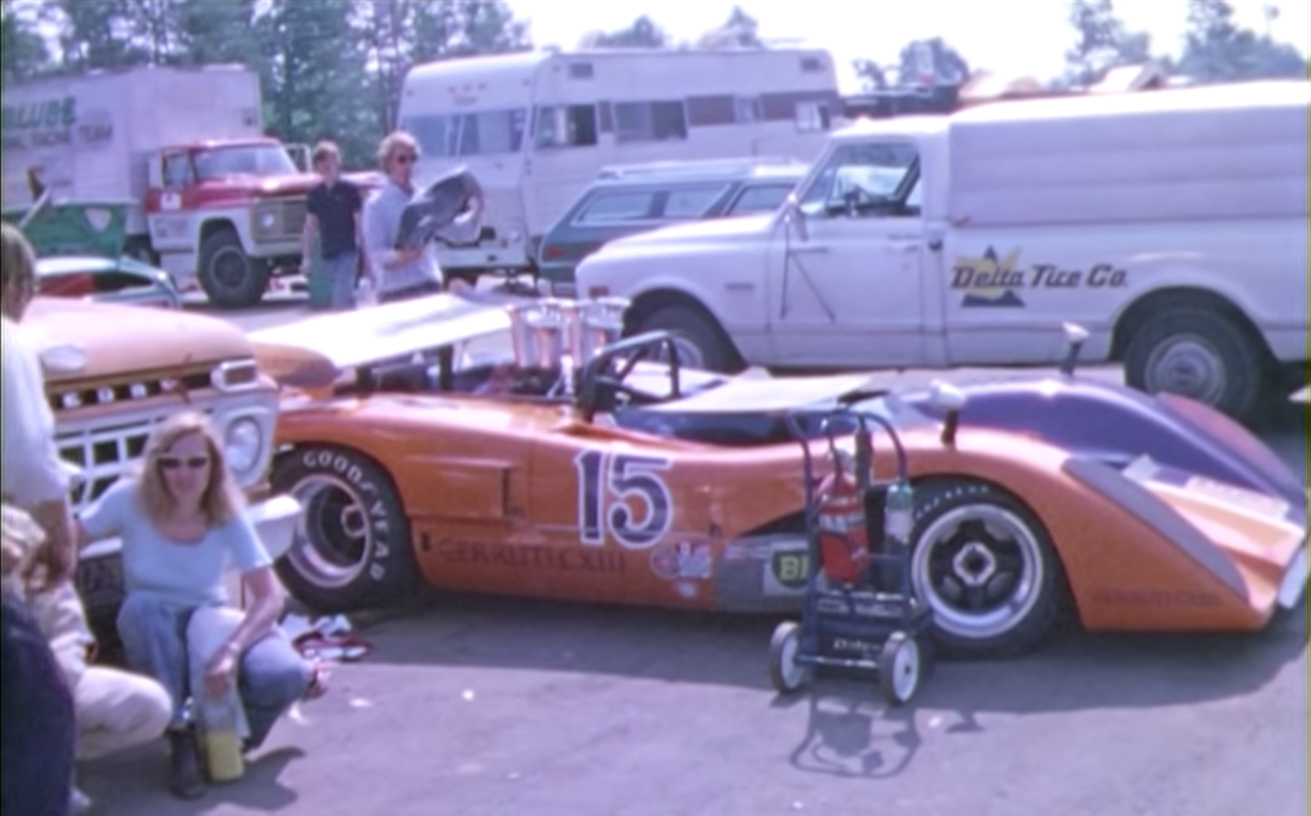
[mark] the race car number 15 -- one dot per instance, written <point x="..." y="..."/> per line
<point x="622" y="496"/>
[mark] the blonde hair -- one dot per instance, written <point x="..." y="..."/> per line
<point x="17" y="262"/>
<point x="222" y="499"/>
<point x="393" y="143"/>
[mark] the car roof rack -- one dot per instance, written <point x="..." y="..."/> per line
<point x="695" y="167"/>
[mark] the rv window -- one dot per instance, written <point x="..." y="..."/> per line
<point x="765" y="198"/>
<point x="861" y="180"/>
<point x="692" y="202"/>
<point x="609" y="208"/>
<point x="486" y="133"/>
<point x="566" y="126"/>
<point x="650" y="121"/>
<point x="746" y="109"/>
<point x="812" y="116"/>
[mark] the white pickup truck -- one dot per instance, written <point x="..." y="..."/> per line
<point x="1171" y="223"/>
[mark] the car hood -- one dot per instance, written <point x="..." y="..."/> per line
<point x="712" y="231"/>
<point x="80" y="340"/>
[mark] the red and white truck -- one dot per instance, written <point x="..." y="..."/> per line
<point x="209" y="197"/>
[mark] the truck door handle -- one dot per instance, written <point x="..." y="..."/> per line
<point x="935" y="244"/>
<point x="809" y="250"/>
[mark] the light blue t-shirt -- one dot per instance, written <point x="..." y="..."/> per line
<point x="187" y="574"/>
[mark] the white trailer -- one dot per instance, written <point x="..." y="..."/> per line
<point x="535" y="128"/>
<point x="208" y="197"/>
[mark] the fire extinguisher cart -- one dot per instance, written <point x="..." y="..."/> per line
<point x="859" y="616"/>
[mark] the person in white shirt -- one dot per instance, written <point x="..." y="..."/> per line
<point x="31" y="474"/>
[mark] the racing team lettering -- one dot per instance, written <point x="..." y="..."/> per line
<point x="623" y="496"/>
<point x="604" y="562"/>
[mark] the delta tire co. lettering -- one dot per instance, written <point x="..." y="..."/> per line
<point x="622" y="496"/>
<point x="532" y="557"/>
<point x="345" y="468"/>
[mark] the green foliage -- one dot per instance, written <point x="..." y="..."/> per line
<point x="23" y="52"/>
<point x="1216" y="49"/>
<point x="643" y="33"/>
<point x="1102" y="42"/>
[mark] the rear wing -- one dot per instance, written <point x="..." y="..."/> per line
<point x="316" y="352"/>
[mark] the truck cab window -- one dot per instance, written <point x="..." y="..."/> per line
<point x="177" y="170"/>
<point x="863" y="181"/>
<point x="566" y="126"/>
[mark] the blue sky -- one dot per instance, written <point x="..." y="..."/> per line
<point x="1011" y="36"/>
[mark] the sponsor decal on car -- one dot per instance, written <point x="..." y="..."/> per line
<point x="532" y="557"/>
<point x="683" y="560"/>
<point x="1156" y="597"/>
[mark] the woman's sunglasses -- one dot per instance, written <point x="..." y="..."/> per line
<point x="406" y="158"/>
<point x="191" y="462"/>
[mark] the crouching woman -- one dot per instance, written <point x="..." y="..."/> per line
<point x="182" y="525"/>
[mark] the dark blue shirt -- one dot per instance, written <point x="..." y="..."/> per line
<point x="335" y="207"/>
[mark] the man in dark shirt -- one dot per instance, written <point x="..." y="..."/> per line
<point x="334" y="217"/>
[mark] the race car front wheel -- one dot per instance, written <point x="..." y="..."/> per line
<point x="352" y="546"/>
<point x="987" y="568"/>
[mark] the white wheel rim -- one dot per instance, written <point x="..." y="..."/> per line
<point x="334" y="540"/>
<point x="792" y="673"/>
<point x="906" y="669"/>
<point x="1008" y="548"/>
<point x="1189" y="365"/>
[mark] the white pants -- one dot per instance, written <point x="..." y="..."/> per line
<point x="117" y="710"/>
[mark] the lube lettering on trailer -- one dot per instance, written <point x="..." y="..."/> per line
<point x="532" y="557"/>
<point x="53" y="123"/>
<point x="994" y="280"/>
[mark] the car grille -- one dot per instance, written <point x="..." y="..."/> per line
<point x="183" y="382"/>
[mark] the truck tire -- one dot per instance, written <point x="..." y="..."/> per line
<point x="701" y="343"/>
<point x="352" y="548"/>
<point x="230" y="278"/>
<point x="1205" y="355"/>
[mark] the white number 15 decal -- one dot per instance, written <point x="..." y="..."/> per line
<point x="609" y="487"/>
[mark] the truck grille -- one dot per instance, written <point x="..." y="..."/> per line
<point x="115" y="393"/>
<point x="103" y="454"/>
<point x="278" y="219"/>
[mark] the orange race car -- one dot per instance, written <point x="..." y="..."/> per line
<point x="578" y="471"/>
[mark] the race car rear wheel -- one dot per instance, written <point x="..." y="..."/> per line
<point x="352" y="545"/>
<point x="986" y="566"/>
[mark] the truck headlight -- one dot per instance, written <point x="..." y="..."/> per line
<point x="268" y="221"/>
<point x="243" y="443"/>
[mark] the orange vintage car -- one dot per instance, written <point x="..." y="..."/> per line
<point x="572" y="470"/>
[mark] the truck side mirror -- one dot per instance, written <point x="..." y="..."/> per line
<point x="794" y="217"/>
<point x="1075" y="337"/>
<point x="949" y="400"/>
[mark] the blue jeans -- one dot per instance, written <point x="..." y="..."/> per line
<point x="341" y="272"/>
<point x="271" y="678"/>
<point x="37" y="726"/>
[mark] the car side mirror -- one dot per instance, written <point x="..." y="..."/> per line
<point x="948" y="400"/>
<point x="1075" y="337"/>
<point x="794" y="217"/>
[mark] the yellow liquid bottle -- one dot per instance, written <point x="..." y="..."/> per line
<point x="218" y="727"/>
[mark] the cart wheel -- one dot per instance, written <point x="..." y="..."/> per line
<point x="900" y="668"/>
<point x="785" y="672"/>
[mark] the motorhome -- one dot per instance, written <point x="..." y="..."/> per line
<point x="536" y="128"/>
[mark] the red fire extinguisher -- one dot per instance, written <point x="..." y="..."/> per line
<point x="844" y="546"/>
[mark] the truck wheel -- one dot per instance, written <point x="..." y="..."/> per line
<point x="1204" y="355"/>
<point x="230" y="278"/>
<point x="700" y="343"/>
<point x="352" y="547"/>
<point x="986" y="567"/>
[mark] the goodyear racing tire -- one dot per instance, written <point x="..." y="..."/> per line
<point x="352" y="548"/>
<point x="987" y="567"/>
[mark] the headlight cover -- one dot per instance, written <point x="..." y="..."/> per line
<point x="243" y="443"/>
